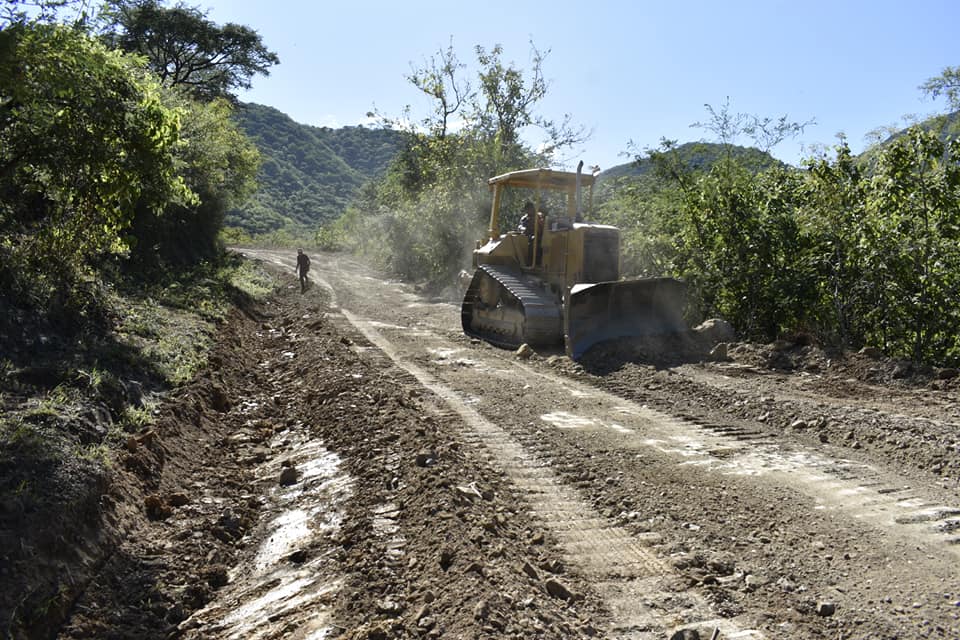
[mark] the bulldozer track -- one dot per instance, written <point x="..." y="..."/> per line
<point x="856" y="489"/>
<point x="541" y="314"/>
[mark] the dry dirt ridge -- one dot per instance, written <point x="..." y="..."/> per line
<point x="352" y="466"/>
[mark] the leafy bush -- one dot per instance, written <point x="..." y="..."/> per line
<point x="422" y="219"/>
<point x="84" y="136"/>
<point x="855" y="252"/>
<point x="84" y="139"/>
<point x="218" y="163"/>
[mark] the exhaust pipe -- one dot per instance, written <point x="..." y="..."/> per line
<point x="579" y="216"/>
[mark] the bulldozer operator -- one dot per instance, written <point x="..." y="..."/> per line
<point x="526" y="220"/>
<point x="531" y="224"/>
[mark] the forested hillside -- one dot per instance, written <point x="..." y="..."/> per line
<point x="308" y="174"/>
<point x="697" y="156"/>
<point x="944" y="127"/>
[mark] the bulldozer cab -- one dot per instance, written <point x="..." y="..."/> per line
<point x="553" y="243"/>
<point x="556" y="192"/>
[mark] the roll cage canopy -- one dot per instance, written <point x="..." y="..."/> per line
<point x="542" y="179"/>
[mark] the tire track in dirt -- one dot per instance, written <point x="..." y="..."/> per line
<point x="726" y="378"/>
<point x="905" y="523"/>
<point x="639" y="588"/>
<point x="856" y="489"/>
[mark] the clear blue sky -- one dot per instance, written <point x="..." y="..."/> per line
<point x="629" y="70"/>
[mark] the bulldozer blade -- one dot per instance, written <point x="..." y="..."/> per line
<point x="610" y="310"/>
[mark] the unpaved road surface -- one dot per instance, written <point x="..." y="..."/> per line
<point x="354" y="466"/>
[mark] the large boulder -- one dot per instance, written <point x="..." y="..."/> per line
<point x="715" y="331"/>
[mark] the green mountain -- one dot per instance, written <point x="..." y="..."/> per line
<point x="702" y="155"/>
<point x="945" y="126"/>
<point x="697" y="156"/>
<point x="309" y="174"/>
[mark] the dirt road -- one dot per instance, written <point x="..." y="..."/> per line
<point x="385" y="476"/>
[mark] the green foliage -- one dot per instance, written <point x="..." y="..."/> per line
<point x="914" y="210"/>
<point x="509" y="97"/>
<point x="248" y="278"/>
<point x="886" y="245"/>
<point x="736" y="237"/>
<point x="765" y="132"/>
<point x="234" y="237"/>
<point x="508" y="101"/>
<point x="84" y="138"/>
<point x="438" y="79"/>
<point x="857" y="251"/>
<point x="645" y="199"/>
<point x="721" y="217"/>
<point x="309" y="174"/>
<point x="133" y="419"/>
<point x="187" y="50"/>
<point x="15" y="11"/>
<point x="945" y="126"/>
<point x="946" y="84"/>
<point x="421" y="221"/>
<point x="218" y="163"/>
<point x="98" y="159"/>
<point x="717" y="215"/>
<point x="644" y="208"/>
<point x="84" y="135"/>
<point x="168" y="323"/>
<point x="419" y="238"/>
<point x="832" y="215"/>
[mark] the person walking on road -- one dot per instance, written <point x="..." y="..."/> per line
<point x="303" y="266"/>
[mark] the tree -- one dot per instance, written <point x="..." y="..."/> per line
<point x="424" y="216"/>
<point x="833" y="215"/>
<point x="508" y="97"/>
<point x="734" y="227"/>
<point x="188" y="50"/>
<point x="494" y="117"/>
<point x="765" y="132"/>
<point x="946" y="84"/>
<point x="438" y="79"/>
<point x="83" y="137"/>
<point x="219" y="164"/>
<point x="23" y="11"/>
<point x="914" y="241"/>
<point x="509" y="103"/>
<point x="85" y="140"/>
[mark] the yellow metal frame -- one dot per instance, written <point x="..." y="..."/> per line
<point x="539" y="180"/>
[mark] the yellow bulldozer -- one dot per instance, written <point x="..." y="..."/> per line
<point x="557" y="278"/>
